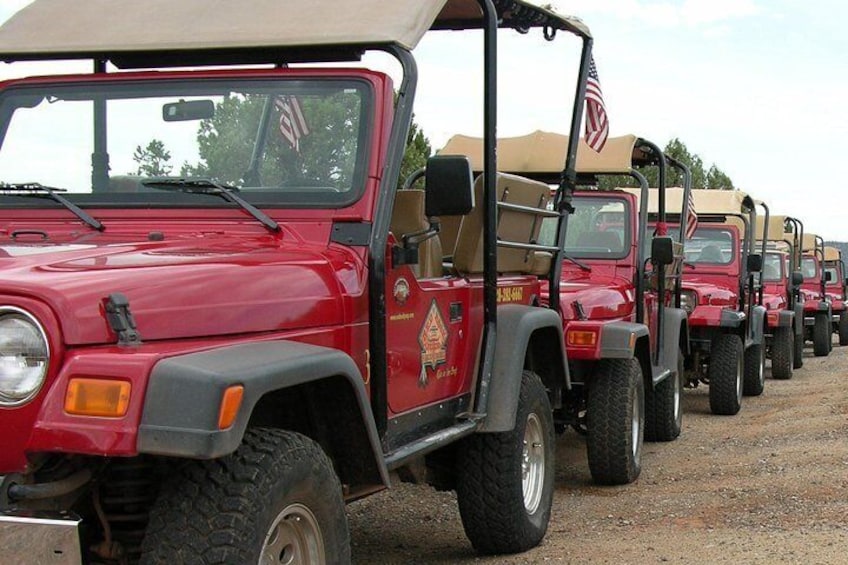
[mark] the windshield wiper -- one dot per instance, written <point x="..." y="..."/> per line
<point x="209" y="186"/>
<point x="38" y="190"/>
<point x="580" y="264"/>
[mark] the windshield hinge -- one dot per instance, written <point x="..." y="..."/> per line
<point x="121" y="319"/>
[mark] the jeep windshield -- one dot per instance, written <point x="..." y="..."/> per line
<point x="280" y="141"/>
<point x="710" y="246"/>
<point x="599" y="228"/>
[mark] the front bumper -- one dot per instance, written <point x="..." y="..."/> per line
<point x="40" y="538"/>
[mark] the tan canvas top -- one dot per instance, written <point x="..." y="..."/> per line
<point x="77" y="29"/>
<point x="832" y="253"/>
<point x="808" y="244"/>
<point x="545" y="152"/>
<point x="706" y="201"/>
<point x="775" y="228"/>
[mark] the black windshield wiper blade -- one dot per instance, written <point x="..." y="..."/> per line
<point x="209" y="186"/>
<point x="38" y="190"/>
<point x="580" y="264"/>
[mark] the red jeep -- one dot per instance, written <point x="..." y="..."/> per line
<point x="226" y="321"/>
<point x="624" y="339"/>
<point x="818" y="311"/>
<point x="781" y="296"/>
<point x="726" y="321"/>
<point x="836" y="288"/>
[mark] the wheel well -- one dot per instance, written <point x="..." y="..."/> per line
<point x="543" y="357"/>
<point x="327" y="411"/>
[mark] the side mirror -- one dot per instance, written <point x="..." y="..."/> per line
<point x="845" y="282"/>
<point x="449" y="186"/>
<point x="828" y="276"/>
<point x="797" y="278"/>
<point x="755" y="263"/>
<point x="662" y="250"/>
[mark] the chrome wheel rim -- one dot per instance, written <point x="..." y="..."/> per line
<point x="739" y="375"/>
<point x="294" y="538"/>
<point x="635" y="425"/>
<point x="677" y="395"/>
<point x="762" y="369"/>
<point x="533" y="464"/>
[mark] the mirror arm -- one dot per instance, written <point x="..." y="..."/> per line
<point x="407" y="252"/>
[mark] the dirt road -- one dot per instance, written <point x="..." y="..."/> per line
<point x="769" y="485"/>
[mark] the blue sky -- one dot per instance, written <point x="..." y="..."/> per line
<point x="760" y="87"/>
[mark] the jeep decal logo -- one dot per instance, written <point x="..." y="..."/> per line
<point x="433" y="340"/>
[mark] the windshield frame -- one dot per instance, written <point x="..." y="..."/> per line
<point x="605" y="198"/>
<point x="207" y="83"/>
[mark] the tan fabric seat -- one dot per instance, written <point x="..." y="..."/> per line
<point x="448" y="232"/>
<point x="408" y="218"/>
<point x="513" y="226"/>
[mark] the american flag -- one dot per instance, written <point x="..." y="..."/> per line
<point x="691" y="217"/>
<point x="293" y="124"/>
<point x="597" y="126"/>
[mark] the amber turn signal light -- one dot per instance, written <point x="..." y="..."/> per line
<point x="97" y="397"/>
<point x="230" y="404"/>
<point x="581" y="338"/>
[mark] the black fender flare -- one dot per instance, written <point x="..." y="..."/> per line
<point x="184" y="393"/>
<point x="786" y="318"/>
<point x="516" y="325"/>
<point x="757" y="324"/>
<point x="618" y="339"/>
<point x="731" y="319"/>
<point x="676" y="327"/>
<point x="799" y="319"/>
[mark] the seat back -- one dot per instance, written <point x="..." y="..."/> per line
<point x="408" y="218"/>
<point x="513" y="226"/>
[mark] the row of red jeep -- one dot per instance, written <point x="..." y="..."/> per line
<point x="204" y="367"/>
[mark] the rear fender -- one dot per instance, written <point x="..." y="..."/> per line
<point x="527" y="337"/>
<point x="184" y="395"/>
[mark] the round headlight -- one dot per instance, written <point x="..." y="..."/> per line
<point x="24" y="356"/>
<point x="688" y="301"/>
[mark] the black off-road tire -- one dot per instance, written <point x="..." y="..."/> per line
<point x="822" y="332"/>
<point x="842" y="327"/>
<point x="755" y="370"/>
<point x="664" y="407"/>
<point x="490" y="484"/>
<point x="220" y="511"/>
<point x="782" y="352"/>
<point x="725" y="374"/>
<point x="798" y="341"/>
<point x="615" y="407"/>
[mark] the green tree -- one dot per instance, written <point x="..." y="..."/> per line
<point x="153" y="159"/>
<point x="326" y="156"/>
<point x="417" y="151"/>
<point x="717" y="179"/>
<point x="677" y="149"/>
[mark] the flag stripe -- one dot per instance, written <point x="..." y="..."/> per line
<point x="597" y="124"/>
<point x="691" y="217"/>
<point x="293" y="124"/>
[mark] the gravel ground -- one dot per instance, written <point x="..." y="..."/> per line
<point x="769" y="485"/>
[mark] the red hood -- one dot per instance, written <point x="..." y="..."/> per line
<point x="711" y="293"/>
<point x="188" y="285"/>
<point x="774" y="296"/>
<point x="600" y="294"/>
